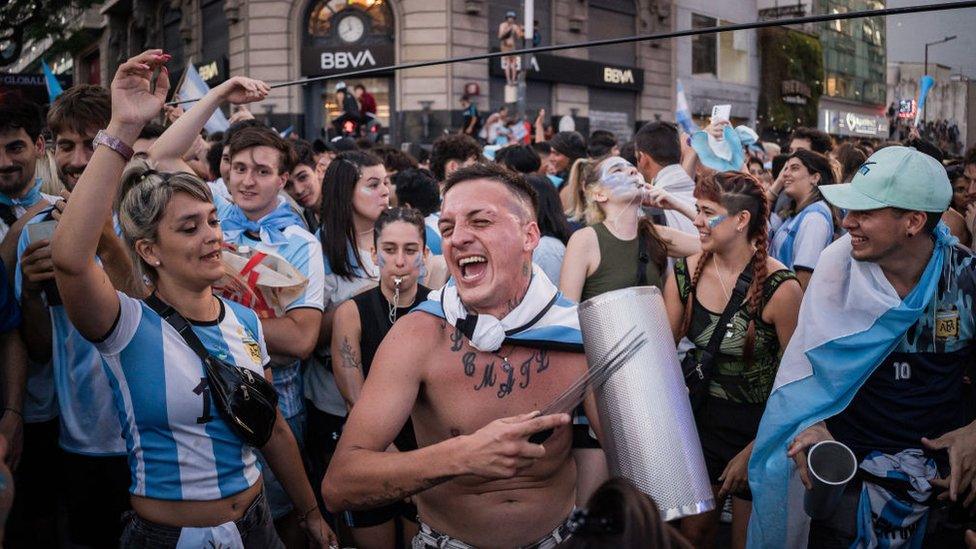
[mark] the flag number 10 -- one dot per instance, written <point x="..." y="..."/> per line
<point x="903" y="370"/>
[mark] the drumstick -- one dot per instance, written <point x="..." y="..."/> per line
<point x="594" y="378"/>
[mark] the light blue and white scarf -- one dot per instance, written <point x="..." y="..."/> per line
<point x="270" y="227"/>
<point x="26" y="201"/>
<point x="850" y="319"/>
<point x="884" y="520"/>
<point x="544" y="318"/>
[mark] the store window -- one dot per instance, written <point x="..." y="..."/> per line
<point x="704" y="48"/>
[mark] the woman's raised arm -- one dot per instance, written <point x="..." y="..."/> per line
<point x="88" y="295"/>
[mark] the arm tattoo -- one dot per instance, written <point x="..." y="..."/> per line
<point x="390" y="494"/>
<point x="349" y="359"/>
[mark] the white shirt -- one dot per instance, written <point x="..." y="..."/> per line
<point x="676" y="181"/>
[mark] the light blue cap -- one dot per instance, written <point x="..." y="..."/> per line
<point x="894" y="177"/>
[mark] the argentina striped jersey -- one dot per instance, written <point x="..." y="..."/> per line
<point x="179" y="446"/>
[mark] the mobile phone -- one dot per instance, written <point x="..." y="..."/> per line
<point x="721" y="112"/>
<point x="41" y="231"/>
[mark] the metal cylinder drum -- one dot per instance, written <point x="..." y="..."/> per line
<point x="649" y="432"/>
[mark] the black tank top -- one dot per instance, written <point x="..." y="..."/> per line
<point x="374" y="321"/>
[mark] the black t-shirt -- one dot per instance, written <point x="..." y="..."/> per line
<point x="350" y="106"/>
<point x="921" y="388"/>
<point x="374" y="321"/>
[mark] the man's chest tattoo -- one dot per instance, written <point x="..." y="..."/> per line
<point x="500" y="374"/>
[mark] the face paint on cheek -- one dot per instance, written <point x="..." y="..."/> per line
<point x="618" y="183"/>
<point x="380" y="260"/>
<point x="715" y="220"/>
<point x="421" y="267"/>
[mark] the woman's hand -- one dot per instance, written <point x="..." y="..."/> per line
<point x="240" y="90"/>
<point x="735" y="477"/>
<point x="135" y="101"/>
<point x="716" y="128"/>
<point x="655" y="197"/>
<point x="318" y="531"/>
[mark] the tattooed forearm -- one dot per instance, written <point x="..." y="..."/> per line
<point x="391" y="494"/>
<point x="348" y="355"/>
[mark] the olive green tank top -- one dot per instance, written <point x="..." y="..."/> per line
<point x="618" y="265"/>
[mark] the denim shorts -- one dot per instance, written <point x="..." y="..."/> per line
<point x="256" y="528"/>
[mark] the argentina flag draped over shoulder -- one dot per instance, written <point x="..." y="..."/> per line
<point x="851" y="318"/>
<point x="544" y="319"/>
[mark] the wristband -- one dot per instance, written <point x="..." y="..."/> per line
<point x="114" y="143"/>
<point x="14" y="410"/>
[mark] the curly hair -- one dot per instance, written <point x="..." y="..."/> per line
<point x="739" y="192"/>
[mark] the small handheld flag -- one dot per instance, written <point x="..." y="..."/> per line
<point x="53" y="86"/>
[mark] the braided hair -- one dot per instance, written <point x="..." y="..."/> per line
<point x="738" y="192"/>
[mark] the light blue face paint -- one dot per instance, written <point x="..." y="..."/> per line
<point x="620" y="182"/>
<point x="380" y="260"/>
<point x="421" y="266"/>
<point x="715" y="220"/>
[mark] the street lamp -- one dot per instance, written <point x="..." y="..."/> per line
<point x="925" y="71"/>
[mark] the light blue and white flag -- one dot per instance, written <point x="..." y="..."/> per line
<point x="194" y="87"/>
<point x="682" y="114"/>
<point x="53" y="86"/>
<point x="850" y="319"/>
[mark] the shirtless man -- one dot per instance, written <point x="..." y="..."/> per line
<point x="476" y="478"/>
<point x="508" y="32"/>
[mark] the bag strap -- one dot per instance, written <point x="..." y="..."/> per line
<point x="7" y="215"/>
<point x="735" y="301"/>
<point x="180" y="324"/>
<point x="643" y="258"/>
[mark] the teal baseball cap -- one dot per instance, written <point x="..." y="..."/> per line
<point x="894" y="177"/>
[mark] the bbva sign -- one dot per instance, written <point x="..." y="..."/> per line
<point x="324" y="60"/>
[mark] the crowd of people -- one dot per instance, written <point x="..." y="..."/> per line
<point x="241" y="340"/>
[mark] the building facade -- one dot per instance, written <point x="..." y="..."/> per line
<point x="612" y="87"/>
<point x="722" y="68"/>
<point x="852" y="101"/>
<point x="949" y="103"/>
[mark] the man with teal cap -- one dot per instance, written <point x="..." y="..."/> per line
<point x="879" y="362"/>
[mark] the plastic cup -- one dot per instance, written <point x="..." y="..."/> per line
<point x="831" y="465"/>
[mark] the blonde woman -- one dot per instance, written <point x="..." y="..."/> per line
<point x="605" y="255"/>
<point x="194" y="480"/>
<point x="608" y="255"/>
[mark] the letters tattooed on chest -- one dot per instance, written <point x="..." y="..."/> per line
<point x="501" y="376"/>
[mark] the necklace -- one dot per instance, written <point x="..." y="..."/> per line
<point x="396" y="299"/>
<point x="506" y="365"/>
<point x="721" y="278"/>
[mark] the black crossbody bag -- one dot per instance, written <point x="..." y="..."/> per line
<point x="247" y="402"/>
<point x="699" y="367"/>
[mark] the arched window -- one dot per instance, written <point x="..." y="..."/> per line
<point x="325" y="22"/>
